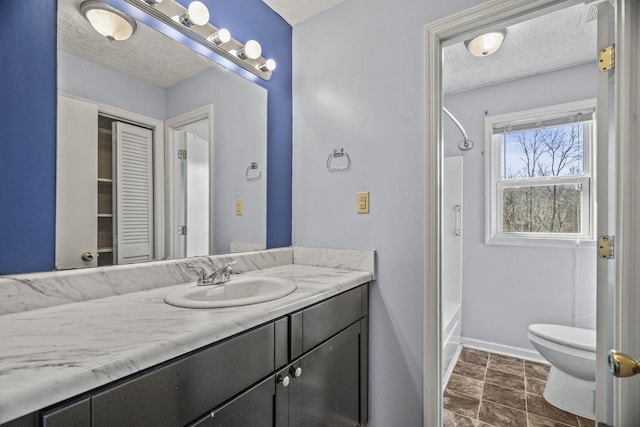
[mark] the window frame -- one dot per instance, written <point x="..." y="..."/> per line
<point x="494" y="184"/>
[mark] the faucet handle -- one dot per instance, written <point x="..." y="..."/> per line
<point x="202" y="276"/>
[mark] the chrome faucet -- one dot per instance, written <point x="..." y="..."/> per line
<point x="221" y="275"/>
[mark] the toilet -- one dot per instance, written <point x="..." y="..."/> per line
<point x="571" y="351"/>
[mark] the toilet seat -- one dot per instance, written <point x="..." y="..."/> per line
<point x="578" y="338"/>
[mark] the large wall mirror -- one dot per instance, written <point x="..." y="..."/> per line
<point x="161" y="153"/>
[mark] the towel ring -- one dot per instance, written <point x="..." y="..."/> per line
<point x="337" y="153"/>
<point x="253" y="167"/>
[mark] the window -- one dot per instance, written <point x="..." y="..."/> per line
<point x="539" y="175"/>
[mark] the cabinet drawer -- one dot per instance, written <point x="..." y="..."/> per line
<point x="252" y="408"/>
<point x="321" y="321"/>
<point x="75" y="414"/>
<point x="180" y="392"/>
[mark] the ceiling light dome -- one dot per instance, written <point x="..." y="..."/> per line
<point x="485" y="44"/>
<point x="109" y="22"/>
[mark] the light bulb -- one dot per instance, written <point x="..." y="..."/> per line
<point x="252" y="50"/>
<point x="197" y="13"/>
<point x="269" y="65"/>
<point x="221" y="36"/>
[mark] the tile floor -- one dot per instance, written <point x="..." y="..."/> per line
<point x="488" y="389"/>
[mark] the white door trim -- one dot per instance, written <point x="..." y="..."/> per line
<point x="457" y="27"/>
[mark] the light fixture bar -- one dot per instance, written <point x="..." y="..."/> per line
<point x="167" y="9"/>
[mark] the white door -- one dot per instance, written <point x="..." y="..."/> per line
<point x="618" y="210"/>
<point x="76" y="184"/>
<point x="618" y="278"/>
<point x="133" y="234"/>
<point x="197" y="195"/>
<point x="191" y="189"/>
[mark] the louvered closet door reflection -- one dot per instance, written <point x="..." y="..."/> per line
<point x="133" y="238"/>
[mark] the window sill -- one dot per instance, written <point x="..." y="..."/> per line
<point x="542" y="242"/>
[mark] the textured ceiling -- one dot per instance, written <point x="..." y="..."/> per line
<point x="550" y="42"/>
<point x="296" y="11"/>
<point x="147" y="55"/>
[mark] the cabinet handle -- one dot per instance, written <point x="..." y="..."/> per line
<point x="284" y="380"/>
<point x="295" y="372"/>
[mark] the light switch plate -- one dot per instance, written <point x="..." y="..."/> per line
<point x="363" y="202"/>
<point x="239" y="207"/>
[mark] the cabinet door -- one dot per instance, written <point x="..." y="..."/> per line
<point x="253" y="408"/>
<point x="327" y="393"/>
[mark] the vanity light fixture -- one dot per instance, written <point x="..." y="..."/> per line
<point x="197" y="14"/>
<point x="193" y="22"/>
<point x="485" y="44"/>
<point x="108" y="21"/>
<point x="221" y="36"/>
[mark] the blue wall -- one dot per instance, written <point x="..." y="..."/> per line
<point x="28" y="117"/>
<point x="28" y="135"/>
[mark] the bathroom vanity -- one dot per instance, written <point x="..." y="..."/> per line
<point x="301" y="360"/>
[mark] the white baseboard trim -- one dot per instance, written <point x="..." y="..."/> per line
<point x="506" y="350"/>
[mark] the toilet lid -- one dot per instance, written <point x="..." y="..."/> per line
<point x="582" y="339"/>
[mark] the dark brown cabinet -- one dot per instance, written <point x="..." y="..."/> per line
<point x="307" y="369"/>
<point x="327" y="386"/>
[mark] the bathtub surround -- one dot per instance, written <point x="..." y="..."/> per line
<point x="52" y="353"/>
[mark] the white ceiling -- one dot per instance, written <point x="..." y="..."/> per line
<point x="296" y="11"/>
<point x="550" y="42"/>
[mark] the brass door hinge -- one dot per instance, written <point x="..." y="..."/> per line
<point x="606" y="247"/>
<point x="607" y="58"/>
<point x="182" y="154"/>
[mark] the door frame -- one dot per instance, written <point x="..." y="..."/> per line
<point x="171" y="126"/>
<point x="458" y="27"/>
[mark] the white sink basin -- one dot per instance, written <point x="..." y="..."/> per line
<point x="240" y="290"/>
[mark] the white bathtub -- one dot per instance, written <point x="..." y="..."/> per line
<point x="451" y="337"/>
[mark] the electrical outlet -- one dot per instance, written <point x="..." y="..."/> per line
<point x="239" y="207"/>
<point x="363" y="202"/>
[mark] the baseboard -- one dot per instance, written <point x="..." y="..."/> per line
<point x="506" y="350"/>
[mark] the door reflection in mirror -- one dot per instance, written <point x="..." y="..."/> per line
<point x="192" y="190"/>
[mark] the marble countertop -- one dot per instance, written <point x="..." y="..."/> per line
<point x="51" y="354"/>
